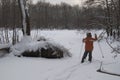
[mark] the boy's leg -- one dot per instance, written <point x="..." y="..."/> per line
<point x="90" y="56"/>
<point x="84" y="56"/>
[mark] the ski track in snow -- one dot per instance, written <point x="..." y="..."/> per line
<point x="68" y="72"/>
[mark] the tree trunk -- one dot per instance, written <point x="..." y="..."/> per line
<point x="25" y="17"/>
<point x="119" y="16"/>
<point x="108" y="19"/>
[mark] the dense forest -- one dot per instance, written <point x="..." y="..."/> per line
<point x="94" y="14"/>
<point x="47" y="15"/>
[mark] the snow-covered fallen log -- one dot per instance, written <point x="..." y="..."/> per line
<point x="39" y="48"/>
<point x="4" y="49"/>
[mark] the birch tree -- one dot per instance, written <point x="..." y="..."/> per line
<point x="25" y="17"/>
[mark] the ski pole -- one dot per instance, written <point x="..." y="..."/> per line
<point x="81" y="49"/>
<point x="101" y="50"/>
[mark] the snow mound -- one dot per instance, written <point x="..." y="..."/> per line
<point x="5" y="46"/>
<point x="4" y="49"/>
<point x="39" y="48"/>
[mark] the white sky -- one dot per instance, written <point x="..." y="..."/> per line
<point x="72" y="2"/>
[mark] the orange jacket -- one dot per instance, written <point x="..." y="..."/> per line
<point x="89" y="43"/>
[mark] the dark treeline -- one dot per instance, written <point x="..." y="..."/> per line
<point x="46" y="15"/>
<point x="9" y="13"/>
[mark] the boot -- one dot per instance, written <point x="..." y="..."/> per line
<point x="82" y="61"/>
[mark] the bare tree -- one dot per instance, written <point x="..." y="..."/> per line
<point x="25" y="17"/>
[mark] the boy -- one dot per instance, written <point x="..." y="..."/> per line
<point x="88" y="46"/>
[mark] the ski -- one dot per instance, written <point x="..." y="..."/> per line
<point x="106" y="72"/>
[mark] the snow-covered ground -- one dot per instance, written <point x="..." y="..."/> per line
<point x="27" y="68"/>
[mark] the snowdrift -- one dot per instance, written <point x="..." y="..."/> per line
<point x="4" y="49"/>
<point x="39" y="48"/>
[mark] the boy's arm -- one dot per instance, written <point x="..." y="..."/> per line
<point x="94" y="39"/>
<point x="84" y="40"/>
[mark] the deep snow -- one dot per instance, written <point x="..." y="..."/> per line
<point x="26" y="68"/>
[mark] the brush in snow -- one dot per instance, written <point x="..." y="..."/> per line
<point x="40" y="48"/>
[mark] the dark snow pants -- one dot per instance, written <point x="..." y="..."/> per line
<point x="85" y="55"/>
